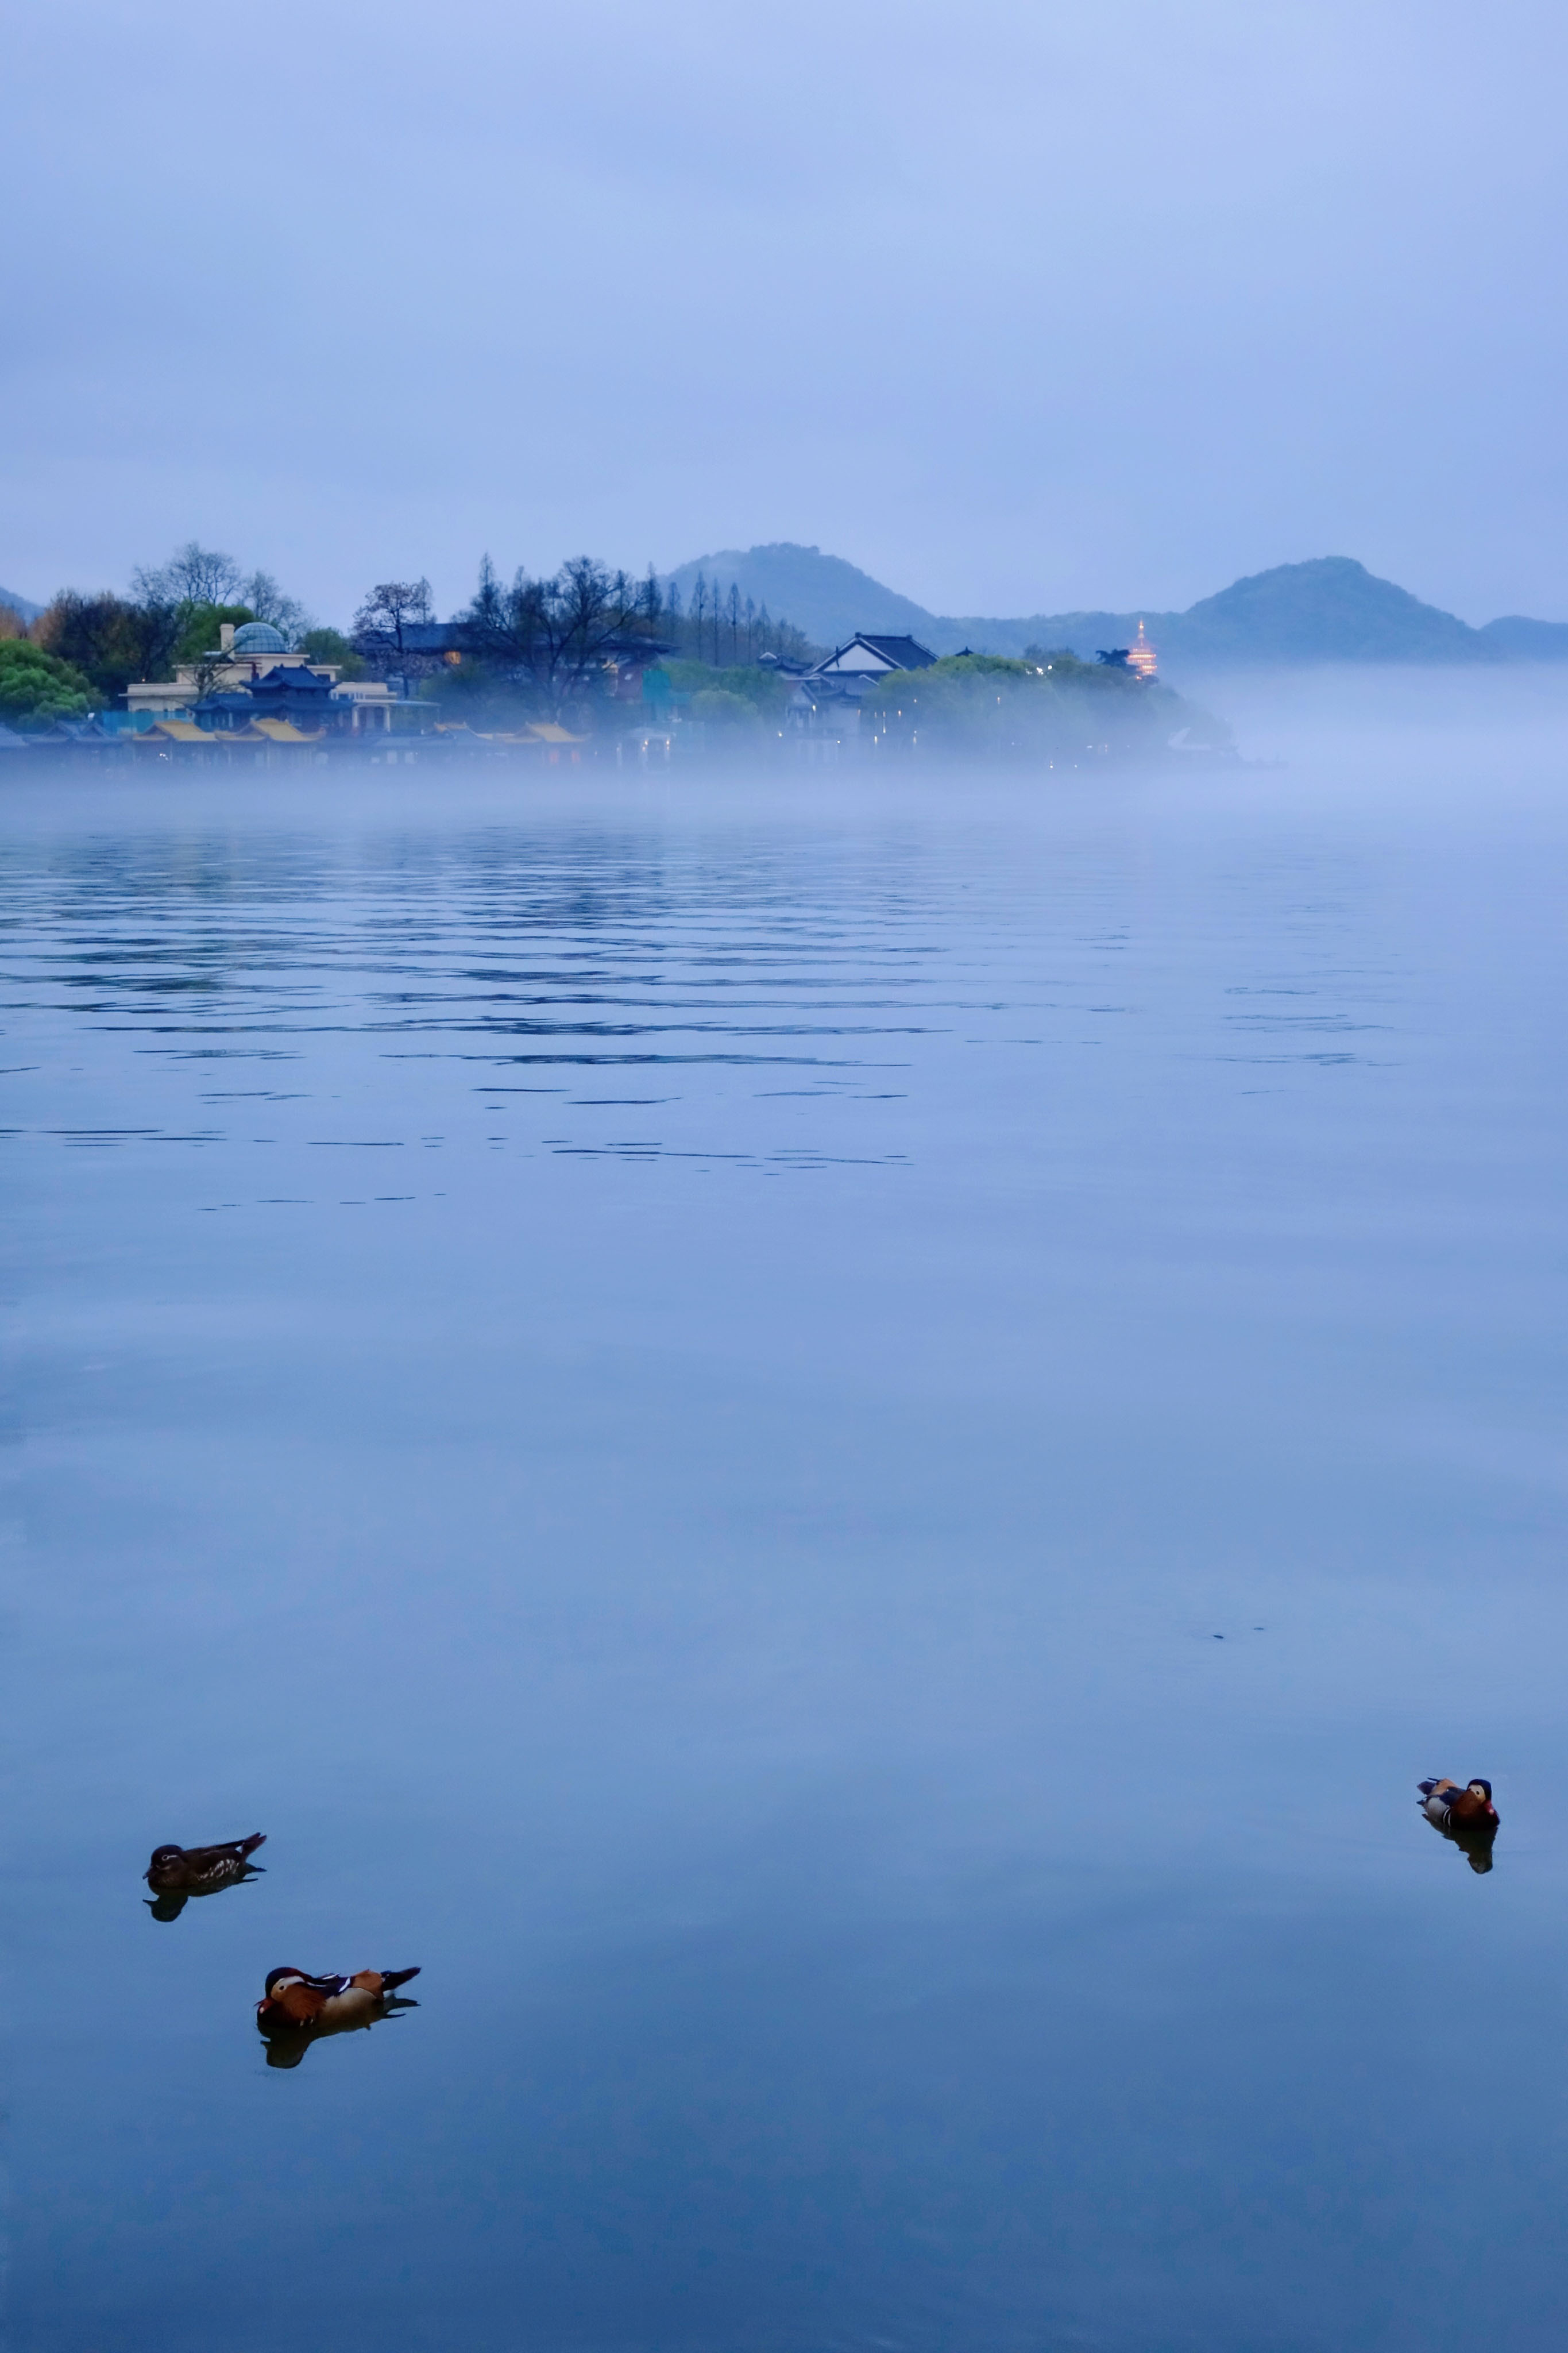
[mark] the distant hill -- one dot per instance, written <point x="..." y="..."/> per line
<point x="29" y="611"/>
<point x="1518" y="639"/>
<point x="1331" y="609"/>
<point x="822" y="595"/>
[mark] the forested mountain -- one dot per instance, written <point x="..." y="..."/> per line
<point x="1331" y="609"/>
<point x="1518" y="639"/>
<point x="838" y="597"/>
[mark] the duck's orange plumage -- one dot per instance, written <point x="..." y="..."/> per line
<point x="328" y="2004"/>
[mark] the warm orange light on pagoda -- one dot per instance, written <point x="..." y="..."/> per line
<point x="1141" y="656"/>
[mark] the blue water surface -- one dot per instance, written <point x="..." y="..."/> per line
<point x="838" y="1446"/>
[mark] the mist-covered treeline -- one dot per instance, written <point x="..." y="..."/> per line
<point x="536" y="645"/>
<point x="717" y="625"/>
<point x="579" y="645"/>
<point x="1051" y="704"/>
<point x="105" y="640"/>
<point x="567" y="645"/>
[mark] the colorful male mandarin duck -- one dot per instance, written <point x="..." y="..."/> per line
<point x="178" y="1872"/>
<point x="297" y="2010"/>
<point x="1465" y="1814"/>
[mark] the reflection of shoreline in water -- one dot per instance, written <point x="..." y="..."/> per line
<point x="671" y="1576"/>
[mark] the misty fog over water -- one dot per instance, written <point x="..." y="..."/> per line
<point x="838" y="1446"/>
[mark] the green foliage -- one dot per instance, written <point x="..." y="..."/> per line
<point x="331" y="646"/>
<point x="196" y="578"/>
<point x="689" y="677"/>
<point x="109" y="640"/>
<point x="199" y="626"/>
<point x="36" y="689"/>
<point x="1067" y="670"/>
<point x="763" y="690"/>
<point x="556" y="640"/>
<point x="471" y="695"/>
<point x="174" y="615"/>
<point x="717" y="707"/>
<point x="1058" y="707"/>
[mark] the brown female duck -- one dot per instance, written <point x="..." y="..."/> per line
<point x="177" y="1873"/>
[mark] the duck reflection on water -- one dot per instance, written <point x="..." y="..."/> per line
<point x="177" y="1873"/>
<point x="297" y="2010"/>
<point x="1464" y="1814"/>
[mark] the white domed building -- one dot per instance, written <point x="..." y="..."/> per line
<point x="251" y="639"/>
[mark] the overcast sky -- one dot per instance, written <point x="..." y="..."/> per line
<point x="1020" y="307"/>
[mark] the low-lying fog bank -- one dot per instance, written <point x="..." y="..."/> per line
<point x="1430" y="712"/>
<point x="1362" y="735"/>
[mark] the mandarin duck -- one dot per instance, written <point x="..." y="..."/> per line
<point x="177" y="1873"/>
<point x="297" y="2010"/>
<point x="1464" y="1813"/>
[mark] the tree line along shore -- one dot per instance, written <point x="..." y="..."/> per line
<point x="201" y="659"/>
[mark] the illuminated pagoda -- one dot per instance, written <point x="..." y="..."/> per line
<point x="1141" y="657"/>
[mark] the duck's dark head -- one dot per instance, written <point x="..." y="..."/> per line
<point x="1483" y="1790"/>
<point x="165" y="1859"/>
<point x="276" y="1977"/>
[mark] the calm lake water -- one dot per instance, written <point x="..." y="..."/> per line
<point x="839" y="1451"/>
